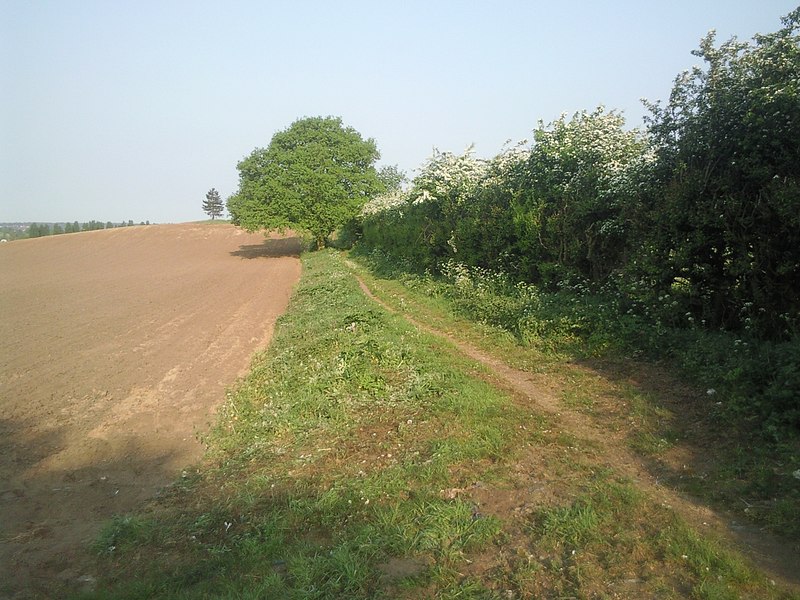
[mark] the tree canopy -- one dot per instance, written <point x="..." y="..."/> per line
<point x="315" y="176"/>
<point x="703" y="207"/>
<point x="575" y="189"/>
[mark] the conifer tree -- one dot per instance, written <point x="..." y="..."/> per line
<point x="213" y="205"/>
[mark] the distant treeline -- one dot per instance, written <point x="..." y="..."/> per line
<point x="43" y="229"/>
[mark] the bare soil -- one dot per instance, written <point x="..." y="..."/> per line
<point x="116" y="348"/>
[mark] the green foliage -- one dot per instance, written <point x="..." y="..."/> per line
<point x="43" y="229"/>
<point x="694" y="225"/>
<point x="38" y="230"/>
<point x="562" y="206"/>
<point x="314" y="176"/>
<point x="726" y="215"/>
<point x="213" y="205"/>
<point x="12" y="232"/>
<point x="391" y="178"/>
<point x="577" y="190"/>
<point x="755" y="381"/>
<point x="456" y="208"/>
<point x="93" y="226"/>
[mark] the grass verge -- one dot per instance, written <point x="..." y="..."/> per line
<point x="362" y="458"/>
<point x="677" y="392"/>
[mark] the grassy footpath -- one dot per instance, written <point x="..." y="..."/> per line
<point x="362" y="458"/>
<point x="686" y="409"/>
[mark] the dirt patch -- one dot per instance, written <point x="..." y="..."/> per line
<point x="116" y="348"/>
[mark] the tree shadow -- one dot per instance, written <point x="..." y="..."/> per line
<point x="51" y="516"/>
<point x="271" y="248"/>
<point x="686" y="443"/>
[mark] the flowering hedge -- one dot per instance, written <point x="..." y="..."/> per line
<point x="538" y="212"/>
<point x="702" y="208"/>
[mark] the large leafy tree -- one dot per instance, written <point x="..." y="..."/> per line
<point x="36" y="230"/>
<point x="314" y="176"/>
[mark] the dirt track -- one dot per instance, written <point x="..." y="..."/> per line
<point x="115" y="349"/>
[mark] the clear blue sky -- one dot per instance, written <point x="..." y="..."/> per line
<point x="113" y="110"/>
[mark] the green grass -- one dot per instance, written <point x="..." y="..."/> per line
<point x="613" y="531"/>
<point x="714" y="382"/>
<point x="363" y="458"/>
<point x="328" y="461"/>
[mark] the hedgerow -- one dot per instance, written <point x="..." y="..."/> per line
<point x="687" y="232"/>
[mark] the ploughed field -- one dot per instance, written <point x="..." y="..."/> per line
<point x="116" y="347"/>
